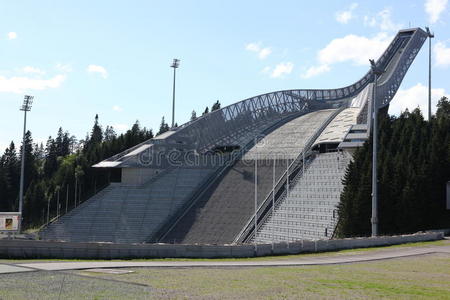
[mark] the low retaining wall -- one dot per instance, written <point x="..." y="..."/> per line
<point x="66" y="250"/>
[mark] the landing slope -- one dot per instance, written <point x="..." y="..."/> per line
<point x="225" y="208"/>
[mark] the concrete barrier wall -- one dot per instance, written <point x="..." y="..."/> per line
<point x="66" y="250"/>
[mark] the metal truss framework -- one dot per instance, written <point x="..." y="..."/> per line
<point x="238" y="123"/>
<point x="387" y="89"/>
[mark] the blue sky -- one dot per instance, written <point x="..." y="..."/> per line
<point x="112" y="58"/>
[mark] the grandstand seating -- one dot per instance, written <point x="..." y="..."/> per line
<point x="216" y="204"/>
<point x="124" y="214"/>
<point x="309" y="210"/>
<point x="222" y="212"/>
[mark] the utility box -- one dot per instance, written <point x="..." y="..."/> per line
<point x="9" y="221"/>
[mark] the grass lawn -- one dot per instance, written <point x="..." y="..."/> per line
<point x="418" y="277"/>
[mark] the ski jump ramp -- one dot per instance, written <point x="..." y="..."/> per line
<point x="196" y="183"/>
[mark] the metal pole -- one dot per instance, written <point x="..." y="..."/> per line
<point x="374" y="219"/>
<point x="429" y="76"/>
<point x="79" y="194"/>
<point x="76" y="184"/>
<point x="57" y="205"/>
<point x="22" y="172"/>
<point x="287" y="195"/>
<point x="273" y="202"/>
<point x="175" y="64"/>
<point x="48" y="211"/>
<point x="173" y="98"/>
<point x="256" y="197"/>
<point x="67" y="196"/>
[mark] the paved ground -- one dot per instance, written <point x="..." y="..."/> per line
<point x="6" y="268"/>
<point x="364" y="256"/>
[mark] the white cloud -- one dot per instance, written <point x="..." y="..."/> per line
<point x="282" y="69"/>
<point x="383" y="21"/>
<point x="266" y="70"/>
<point x="370" y="21"/>
<point x="434" y="9"/>
<point x="32" y="70"/>
<point x="262" y="53"/>
<point x="350" y="48"/>
<point x="121" y="127"/>
<point x="441" y="54"/>
<point x="21" y="85"/>
<point x="117" y="108"/>
<point x="98" y="69"/>
<point x="353" y="48"/>
<point x="12" y="35"/>
<point x="415" y="96"/>
<point x="66" y="68"/>
<point x="314" y="71"/>
<point x="345" y="16"/>
<point x="254" y="47"/>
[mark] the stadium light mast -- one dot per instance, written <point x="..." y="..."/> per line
<point x="26" y="106"/>
<point x="430" y="36"/>
<point x="175" y="65"/>
<point x="374" y="220"/>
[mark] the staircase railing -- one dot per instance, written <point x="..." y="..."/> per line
<point x="294" y="168"/>
<point x="90" y="195"/>
<point x="172" y="221"/>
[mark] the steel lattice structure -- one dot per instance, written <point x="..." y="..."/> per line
<point x="241" y="122"/>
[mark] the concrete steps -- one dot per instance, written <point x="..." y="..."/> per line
<point x="310" y="209"/>
<point x="128" y="214"/>
<point x="222" y="212"/>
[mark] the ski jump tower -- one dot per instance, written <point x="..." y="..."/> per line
<point x="196" y="183"/>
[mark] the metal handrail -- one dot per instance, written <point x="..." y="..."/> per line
<point x="283" y="193"/>
<point x="166" y="227"/>
<point x="293" y="168"/>
<point x="56" y="218"/>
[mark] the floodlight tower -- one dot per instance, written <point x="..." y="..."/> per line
<point x="175" y="64"/>
<point x="374" y="220"/>
<point x="26" y="106"/>
<point x="430" y="36"/>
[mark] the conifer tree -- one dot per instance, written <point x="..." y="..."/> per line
<point x="414" y="167"/>
<point x="11" y="175"/>
<point x="163" y="127"/>
<point x="193" y="115"/>
<point x="215" y="106"/>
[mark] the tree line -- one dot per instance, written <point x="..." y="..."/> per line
<point x="58" y="175"/>
<point x="413" y="169"/>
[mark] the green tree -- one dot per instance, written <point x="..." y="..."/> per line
<point x="11" y="174"/>
<point x="215" y="106"/>
<point x="193" y="115"/>
<point x="413" y="169"/>
<point x="163" y="127"/>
